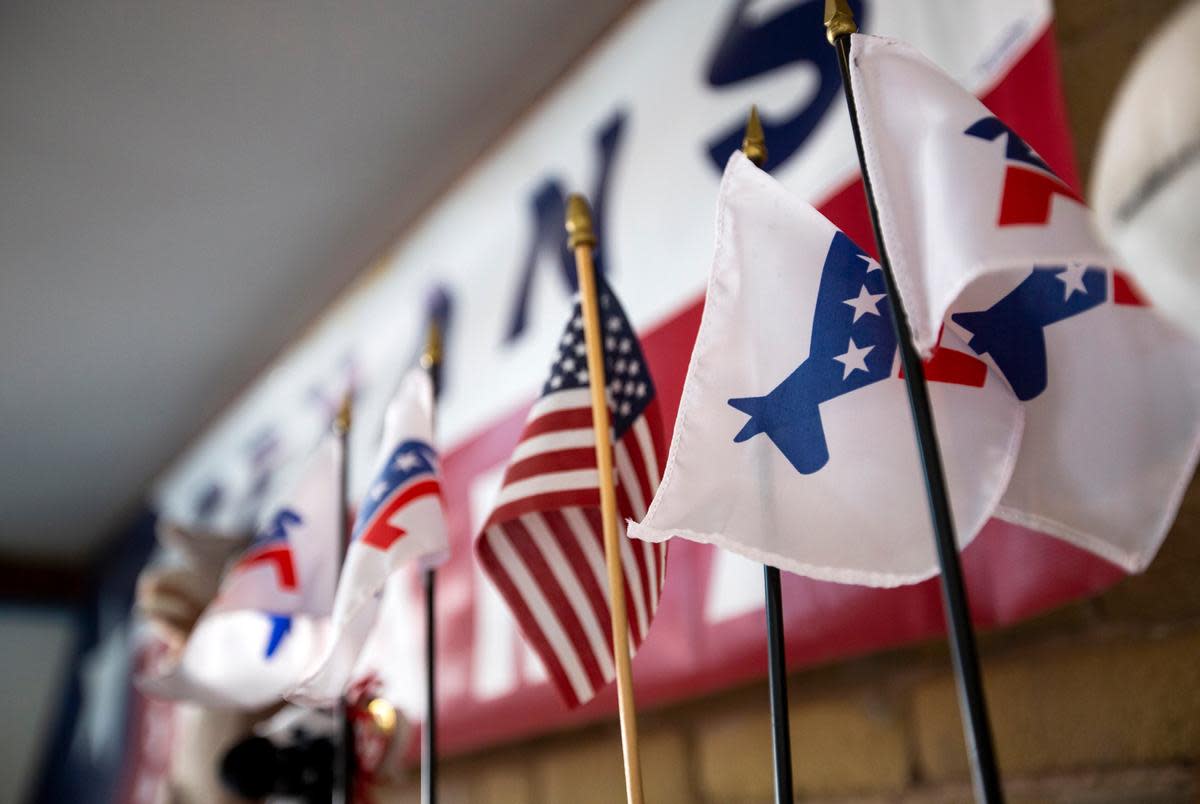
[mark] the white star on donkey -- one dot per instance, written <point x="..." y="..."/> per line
<point x="872" y="265"/>
<point x="854" y="358"/>
<point x="865" y="303"/>
<point x="1072" y="279"/>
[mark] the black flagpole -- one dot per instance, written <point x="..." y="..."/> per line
<point x="777" y="678"/>
<point x="429" y="733"/>
<point x="755" y="147"/>
<point x="839" y="22"/>
<point x="431" y="360"/>
<point x="343" y="762"/>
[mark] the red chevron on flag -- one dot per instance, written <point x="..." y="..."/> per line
<point x="1028" y="196"/>
<point x="278" y="556"/>
<point x="380" y="533"/>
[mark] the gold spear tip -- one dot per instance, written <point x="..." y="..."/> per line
<point x="432" y="356"/>
<point x="754" y="144"/>
<point x="579" y="222"/>
<point x="839" y="20"/>
<point x="341" y="423"/>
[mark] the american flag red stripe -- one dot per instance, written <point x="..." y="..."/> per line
<point x="561" y="460"/>
<point x="543" y="543"/>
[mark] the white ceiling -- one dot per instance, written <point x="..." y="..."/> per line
<point x="187" y="184"/>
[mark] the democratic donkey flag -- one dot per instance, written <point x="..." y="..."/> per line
<point x="794" y="444"/>
<point x="542" y="545"/>
<point x="985" y="237"/>
<point x="400" y="520"/>
<point x="258" y="638"/>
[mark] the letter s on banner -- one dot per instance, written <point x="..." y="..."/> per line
<point x="749" y="49"/>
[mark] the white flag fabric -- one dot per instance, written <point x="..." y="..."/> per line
<point x="400" y="520"/>
<point x="258" y="638"/>
<point x="794" y="443"/>
<point x="983" y="236"/>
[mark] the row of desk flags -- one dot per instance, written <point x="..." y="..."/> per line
<point x="1063" y="403"/>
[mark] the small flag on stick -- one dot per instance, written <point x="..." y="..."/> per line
<point x="399" y="520"/>
<point x="259" y="637"/>
<point x="794" y="392"/>
<point x="987" y="241"/>
<point x="542" y="545"/>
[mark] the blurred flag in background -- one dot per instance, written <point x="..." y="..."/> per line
<point x="258" y="638"/>
<point x="400" y="520"/>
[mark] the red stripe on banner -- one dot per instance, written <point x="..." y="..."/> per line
<point x="525" y="619"/>
<point x="548" y="501"/>
<point x="560" y="605"/>
<point x="559" y="460"/>
<point x="568" y="419"/>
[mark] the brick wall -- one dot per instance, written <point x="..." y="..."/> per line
<point x="1098" y="702"/>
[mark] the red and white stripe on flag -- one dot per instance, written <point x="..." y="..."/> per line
<point x="543" y="545"/>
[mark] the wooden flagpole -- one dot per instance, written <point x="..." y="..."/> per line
<point x="431" y="361"/>
<point x="344" y="761"/>
<point x="754" y="146"/>
<point x="581" y="240"/>
<point x="839" y="25"/>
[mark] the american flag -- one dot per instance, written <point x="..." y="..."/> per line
<point x="543" y="546"/>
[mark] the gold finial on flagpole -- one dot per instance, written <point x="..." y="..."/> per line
<point x="432" y="356"/>
<point x="582" y="239"/>
<point x="754" y="144"/>
<point x="341" y="423"/>
<point x="383" y="715"/>
<point x="579" y="223"/>
<point x="839" y="20"/>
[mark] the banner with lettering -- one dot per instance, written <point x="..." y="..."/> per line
<point x="643" y="126"/>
